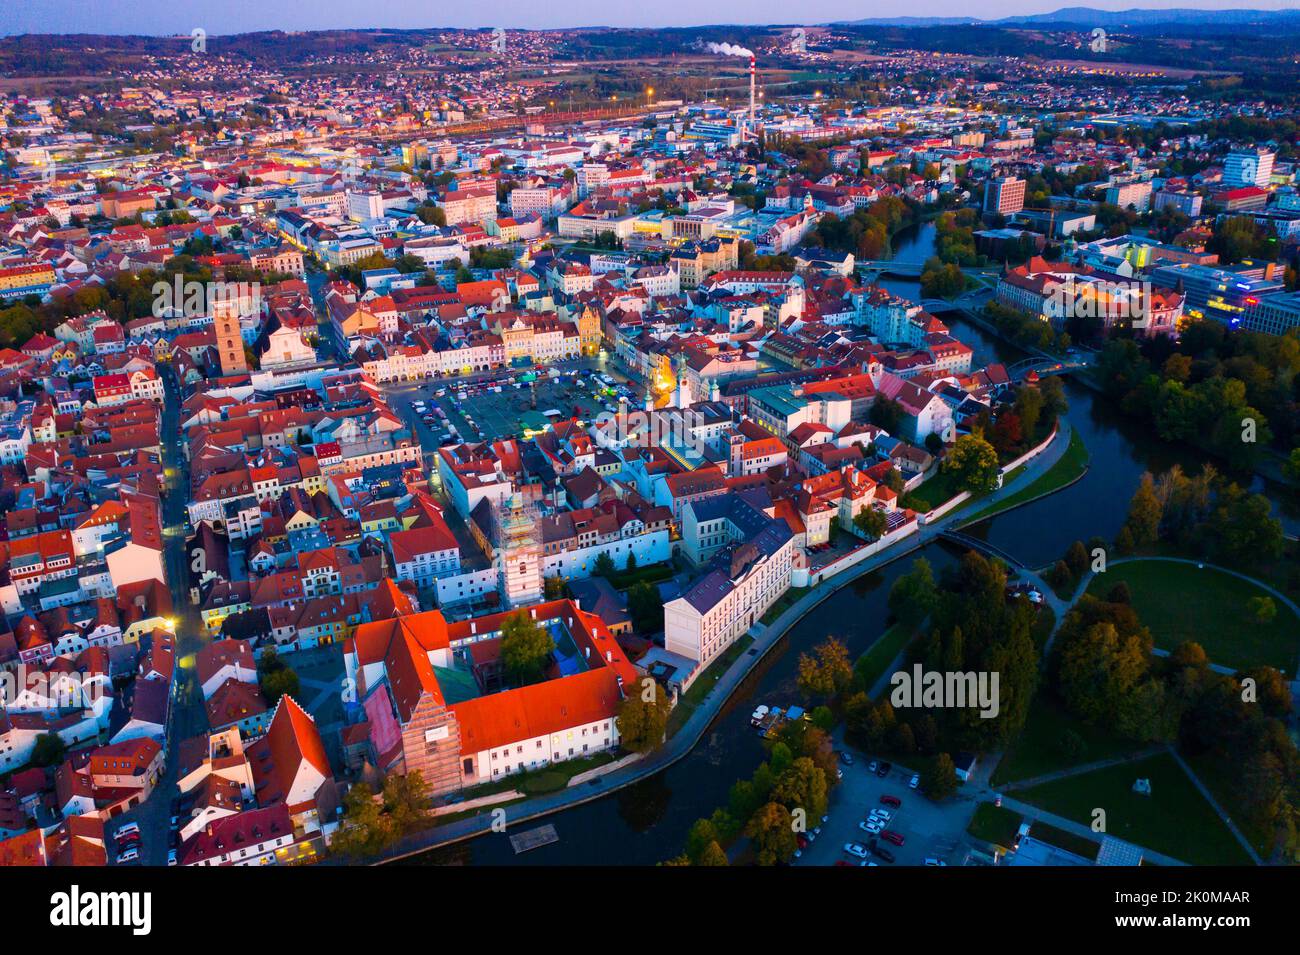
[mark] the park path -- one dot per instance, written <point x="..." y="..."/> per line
<point x="1262" y="585"/>
<point x="1080" y="769"/>
<point x="1214" y="804"/>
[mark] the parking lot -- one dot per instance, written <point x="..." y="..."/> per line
<point x="500" y="405"/>
<point x="929" y="830"/>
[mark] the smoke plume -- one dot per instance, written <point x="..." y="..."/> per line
<point x="728" y="49"/>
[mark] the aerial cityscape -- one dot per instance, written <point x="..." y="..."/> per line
<point x="866" y="443"/>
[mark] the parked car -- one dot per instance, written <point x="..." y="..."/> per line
<point x="880" y="852"/>
<point x="129" y="829"/>
<point x="914" y="782"/>
<point x="889" y="835"/>
<point x="128" y="857"/>
<point x="846" y="757"/>
<point x="872" y="827"/>
<point x="888" y="800"/>
<point x="871" y="766"/>
<point x="883" y="769"/>
<point x="935" y="862"/>
<point x="856" y="849"/>
<point x="171" y="856"/>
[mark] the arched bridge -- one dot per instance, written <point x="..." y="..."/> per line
<point x="1044" y="367"/>
<point x="974" y="543"/>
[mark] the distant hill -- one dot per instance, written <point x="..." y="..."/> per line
<point x="1090" y="17"/>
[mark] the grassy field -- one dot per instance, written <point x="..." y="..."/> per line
<point x="994" y="824"/>
<point x="692" y="698"/>
<point x="1070" y="466"/>
<point x="1174" y="819"/>
<point x="873" y="663"/>
<point x="937" y="489"/>
<point x="1181" y="602"/>
<point x="1219" y="777"/>
<point x="782" y="604"/>
<point x="1038" y="749"/>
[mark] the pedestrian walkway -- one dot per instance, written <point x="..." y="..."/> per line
<point x="1080" y="770"/>
<point x="1214" y="804"/>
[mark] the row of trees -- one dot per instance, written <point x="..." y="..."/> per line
<point x="1203" y="515"/>
<point x="1227" y="392"/>
<point x="787" y="795"/>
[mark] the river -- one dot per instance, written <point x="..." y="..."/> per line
<point x="647" y="823"/>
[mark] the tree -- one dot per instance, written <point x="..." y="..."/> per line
<point x="646" y="607"/>
<point x="604" y="566"/>
<point x="939" y="778"/>
<point x="886" y="414"/>
<point x="712" y="855"/>
<point x="802" y="785"/>
<point x="827" y="671"/>
<point x="974" y="463"/>
<point x="1029" y="408"/>
<point x="49" y="750"/>
<point x="1291" y="469"/>
<point x="643" y="717"/>
<point x="1262" y="609"/>
<point x="772" y="834"/>
<point x="526" y="647"/>
<point x="871" y="523"/>
<point x="274" y="678"/>
<point x="913" y="595"/>
<point x="373" y="823"/>
<point x="1077" y="559"/>
<point x="365" y="830"/>
<point x="1144" y="513"/>
<point x="1244" y="530"/>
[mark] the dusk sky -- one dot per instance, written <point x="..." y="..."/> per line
<point x="238" y="16"/>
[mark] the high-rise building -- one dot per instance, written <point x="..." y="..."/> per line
<point x="1248" y="167"/>
<point x="230" y="343"/>
<point x="1004" y="195"/>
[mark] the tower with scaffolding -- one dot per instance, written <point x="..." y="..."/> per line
<point x="519" y="549"/>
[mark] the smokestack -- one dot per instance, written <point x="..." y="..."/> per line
<point x="751" y="93"/>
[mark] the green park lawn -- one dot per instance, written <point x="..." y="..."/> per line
<point x="1175" y="819"/>
<point x="1182" y="602"/>
<point x="995" y="824"/>
<point x="1071" y="464"/>
<point x="1038" y="750"/>
<point x="874" y="662"/>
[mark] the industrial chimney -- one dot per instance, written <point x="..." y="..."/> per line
<point x="752" y="127"/>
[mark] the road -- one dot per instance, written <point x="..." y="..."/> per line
<point x="187" y="716"/>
